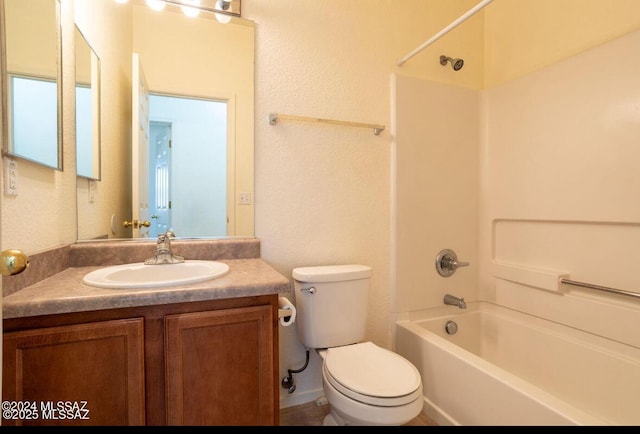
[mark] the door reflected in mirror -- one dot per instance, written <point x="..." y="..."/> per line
<point x="87" y="76"/>
<point x="187" y="136"/>
<point x="33" y="80"/>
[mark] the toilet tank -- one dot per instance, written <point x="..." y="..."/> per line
<point x="331" y="304"/>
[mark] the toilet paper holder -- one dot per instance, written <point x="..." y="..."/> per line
<point x="284" y="313"/>
<point x="287" y="316"/>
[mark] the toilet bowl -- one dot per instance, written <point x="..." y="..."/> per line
<point x="369" y="385"/>
<point x="363" y="383"/>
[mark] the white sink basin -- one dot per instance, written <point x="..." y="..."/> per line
<point x="139" y="275"/>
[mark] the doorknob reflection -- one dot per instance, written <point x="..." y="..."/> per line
<point x="136" y="224"/>
<point x="13" y="262"/>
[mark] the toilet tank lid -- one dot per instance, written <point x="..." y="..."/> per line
<point x="331" y="273"/>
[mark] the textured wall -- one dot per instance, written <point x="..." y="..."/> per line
<point x="40" y="215"/>
<point x="323" y="193"/>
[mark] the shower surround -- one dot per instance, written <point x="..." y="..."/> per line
<point x="537" y="172"/>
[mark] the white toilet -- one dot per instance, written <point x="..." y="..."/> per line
<point x="364" y="384"/>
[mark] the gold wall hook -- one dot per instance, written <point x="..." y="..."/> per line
<point x="13" y="262"/>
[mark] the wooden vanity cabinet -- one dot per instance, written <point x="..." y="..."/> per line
<point x="221" y="382"/>
<point x="79" y="374"/>
<point x="199" y="363"/>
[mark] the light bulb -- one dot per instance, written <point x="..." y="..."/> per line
<point x="156" y="5"/>
<point x="223" y="5"/>
<point x="191" y="11"/>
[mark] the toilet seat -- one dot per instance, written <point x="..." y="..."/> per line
<point x="372" y="375"/>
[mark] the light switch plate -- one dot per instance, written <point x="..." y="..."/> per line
<point x="92" y="191"/>
<point x="10" y="177"/>
<point x="244" y="198"/>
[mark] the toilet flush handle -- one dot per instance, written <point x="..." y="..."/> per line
<point x="311" y="290"/>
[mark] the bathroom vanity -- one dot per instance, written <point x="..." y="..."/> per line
<point x="199" y="354"/>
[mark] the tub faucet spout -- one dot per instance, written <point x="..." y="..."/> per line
<point x="455" y="301"/>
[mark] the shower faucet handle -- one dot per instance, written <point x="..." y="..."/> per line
<point x="447" y="263"/>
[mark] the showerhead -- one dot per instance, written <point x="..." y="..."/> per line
<point x="456" y="64"/>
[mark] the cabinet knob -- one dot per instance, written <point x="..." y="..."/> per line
<point x="13" y="262"/>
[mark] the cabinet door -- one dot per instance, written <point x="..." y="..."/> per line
<point x="82" y="374"/>
<point x="220" y="368"/>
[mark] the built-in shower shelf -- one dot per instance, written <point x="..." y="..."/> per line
<point x="551" y="280"/>
<point x="537" y="277"/>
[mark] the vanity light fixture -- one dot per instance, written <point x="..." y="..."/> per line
<point x="223" y="10"/>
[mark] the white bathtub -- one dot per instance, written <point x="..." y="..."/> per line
<point x="505" y="367"/>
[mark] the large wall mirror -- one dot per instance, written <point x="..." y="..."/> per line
<point x="195" y="69"/>
<point x="32" y="81"/>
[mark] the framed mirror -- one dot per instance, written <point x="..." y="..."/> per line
<point x="87" y="77"/>
<point x="32" y="81"/>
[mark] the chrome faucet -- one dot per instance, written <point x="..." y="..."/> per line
<point x="164" y="255"/>
<point x="455" y="301"/>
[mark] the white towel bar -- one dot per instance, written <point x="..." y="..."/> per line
<point x="273" y="119"/>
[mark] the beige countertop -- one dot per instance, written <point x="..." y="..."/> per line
<point x="64" y="292"/>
